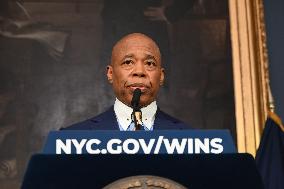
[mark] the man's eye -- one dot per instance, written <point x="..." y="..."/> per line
<point x="150" y="63"/>
<point x="127" y="62"/>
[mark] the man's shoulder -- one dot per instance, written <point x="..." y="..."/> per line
<point x="167" y="122"/>
<point x="103" y="121"/>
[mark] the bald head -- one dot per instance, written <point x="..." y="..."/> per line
<point x="136" y="63"/>
<point x="137" y="39"/>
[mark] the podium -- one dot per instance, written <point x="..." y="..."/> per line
<point x="66" y="161"/>
<point x="198" y="171"/>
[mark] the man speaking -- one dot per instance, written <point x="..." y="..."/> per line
<point x="136" y="75"/>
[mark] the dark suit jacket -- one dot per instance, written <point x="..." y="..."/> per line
<point x="108" y="121"/>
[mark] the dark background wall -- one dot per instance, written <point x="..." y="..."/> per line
<point x="274" y="17"/>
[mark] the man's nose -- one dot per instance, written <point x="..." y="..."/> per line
<point x="139" y="70"/>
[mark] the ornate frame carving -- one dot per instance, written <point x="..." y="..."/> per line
<point x="250" y="68"/>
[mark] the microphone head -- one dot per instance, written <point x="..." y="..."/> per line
<point x="136" y="98"/>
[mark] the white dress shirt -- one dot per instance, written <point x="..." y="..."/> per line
<point x="123" y="115"/>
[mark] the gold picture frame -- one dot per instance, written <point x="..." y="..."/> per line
<point x="250" y="72"/>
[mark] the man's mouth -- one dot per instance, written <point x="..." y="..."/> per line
<point x="140" y="86"/>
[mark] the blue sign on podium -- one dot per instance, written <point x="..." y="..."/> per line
<point x="140" y="142"/>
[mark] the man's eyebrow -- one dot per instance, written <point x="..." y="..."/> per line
<point x="128" y="56"/>
<point x="148" y="56"/>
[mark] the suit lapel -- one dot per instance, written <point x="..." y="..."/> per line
<point x="106" y="121"/>
<point x="162" y="122"/>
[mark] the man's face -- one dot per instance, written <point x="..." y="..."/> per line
<point x="136" y="63"/>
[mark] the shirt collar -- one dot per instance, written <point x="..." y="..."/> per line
<point x="123" y="114"/>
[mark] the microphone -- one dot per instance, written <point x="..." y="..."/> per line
<point x="136" y="114"/>
<point x="136" y="99"/>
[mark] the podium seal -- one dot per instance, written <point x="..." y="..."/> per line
<point x="144" y="182"/>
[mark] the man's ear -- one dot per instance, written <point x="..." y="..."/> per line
<point x="162" y="78"/>
<point x="109" y="72"/>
